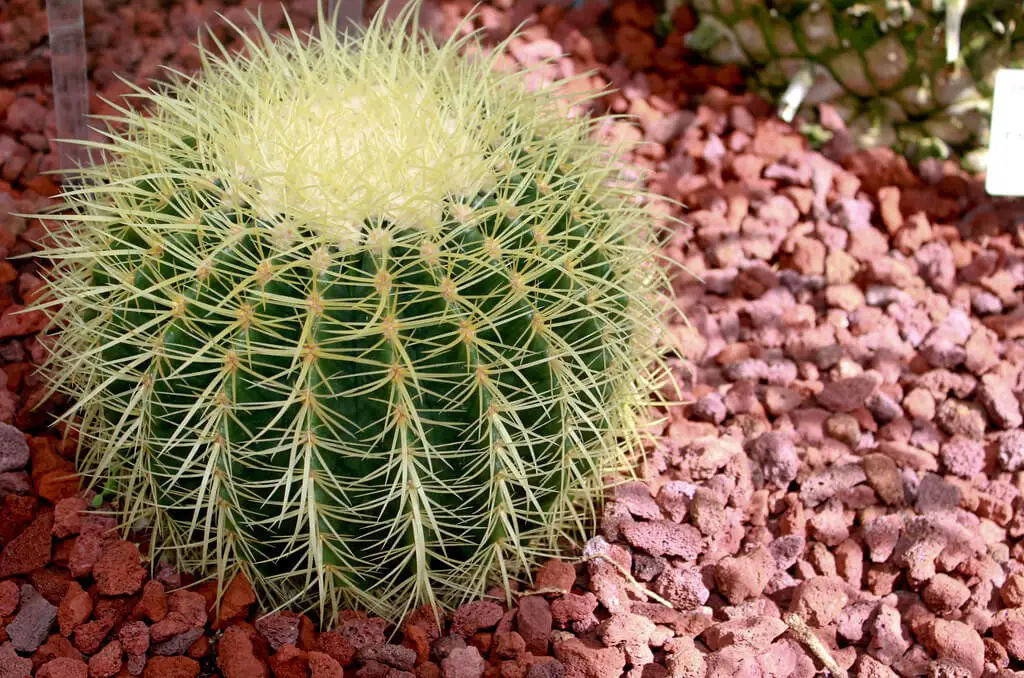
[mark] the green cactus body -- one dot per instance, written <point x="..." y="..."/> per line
<point x="913" y="74"/>
<point x="386" y="365"/>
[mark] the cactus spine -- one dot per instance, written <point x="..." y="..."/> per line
<point x="358" y="316"/>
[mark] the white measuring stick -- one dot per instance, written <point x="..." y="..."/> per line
<point x="70" y="81"/>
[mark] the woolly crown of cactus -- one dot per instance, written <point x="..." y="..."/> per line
<point x="359" y="316"/>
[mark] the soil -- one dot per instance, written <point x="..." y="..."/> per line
<point x="842" y="494"/>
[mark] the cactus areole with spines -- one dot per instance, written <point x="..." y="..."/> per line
<point x="358" y="315"/>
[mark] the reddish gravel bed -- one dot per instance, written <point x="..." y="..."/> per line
<point x="842" y="492"/>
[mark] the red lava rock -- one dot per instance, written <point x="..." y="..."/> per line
<point x="107" y="662"/>
<point x="364" y="634"/>
<point x="153" y="604"/>
<point x="324" y="666"/>
<point x="134" y="637"/>
<point x="67" y="516"/>
<point x="534" y="623"/>
<point x="190" y="605"/>
<point x="556" y="575"/>
<point x="63" y="667"/>
<point x="171" y="625"/>
<point x="510" y="645"/>
<point x="89" y="636"/>
<point x="74" y="609"/>
<point x="396" y="656"/>
<point x="235" y="656"/>
<point x="30" y="550"/>
<point x="575" y="611"/>
<point x="118" y="570"/>
<point x="175" y="667"/>
<point x="236" y="599"/>
<point x="84" y="554"/>
<point x="289" y="662"/>
<point x="9" y="597"/>
<point x="335" y="644"/>
<point x="476" y="616"/>
<point x="11" y="665"/>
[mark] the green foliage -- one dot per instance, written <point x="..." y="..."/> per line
<point x="359" y="316"/>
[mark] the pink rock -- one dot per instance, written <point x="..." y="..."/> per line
<point x="683" y="659"/>
<point x="945" y="594"/>
<point x="998" y="399"/>
<point x="846" y="395"/>
<point x="582" y="660"/>
<point x="963" y="456"/>
<point x="881" y="536"/>
<point x="633" y="633"/>
<point x="868" y="667"/>
<point x="784" y="660"/>
<point x="956" y="642"/>
<point x="889" y="638"/>
<point x="1010" y="634"/>
<point x="819" y="600"/>
<point x="745" y="577"/>
<point x="636" y="497"/>
<point x="775" y="457"/>
<point x="733" y="662"/>
<point x="664" y="537"/>
<point x="755" y="632"/>
<point x="463" y="662"/>
<point x="682" y="586"/>
<point x="25" y="114"/>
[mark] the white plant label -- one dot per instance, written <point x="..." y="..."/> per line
<point x="1005" y="174"/>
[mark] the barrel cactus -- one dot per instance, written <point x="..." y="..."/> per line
<point x="357" y="315"/>
<point x="917" y="75"/>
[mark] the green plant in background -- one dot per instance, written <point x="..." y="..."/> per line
<point x="916" y="75"/>
<point x="358" y="316"/>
